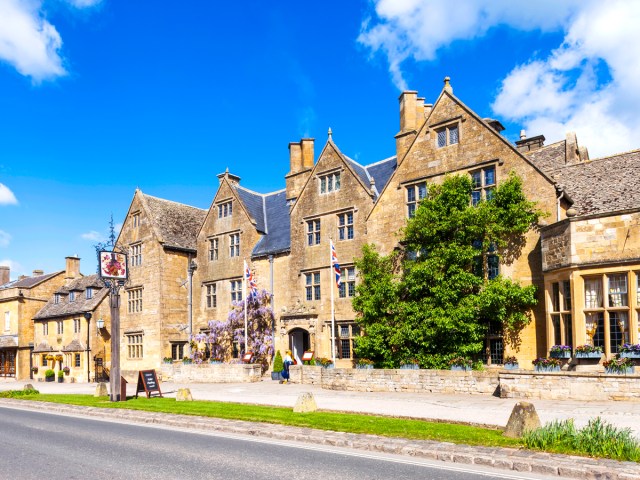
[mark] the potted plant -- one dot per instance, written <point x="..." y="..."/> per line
<point x="34" y="370"/>
<point x="629" y="350"/>
<point x="588" y="351"/>
<point x="278" y="367"/>
<point x="49" y="375"/>
<point x="411" y="364"/>
<point x="546" y="364"/>
<point x="364" y="364"/>
<point x="325" y="362"/>
<point x="59" y="358"/>
<point x="167" y="360"/>
<point x="66" y="370"/>
<point x="187" y="361"/>
<point x="460" y="364"/>
<point x="560" y="351"/>
<point x="511" y="363"/>
<point x="618" y="365"/>
<point x="60" y="376"/>
<point x="215" y="361"/>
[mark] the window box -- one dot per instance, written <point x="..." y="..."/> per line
<point x="542" y="368"/>
<point x="588" y="355"/>
<point x="560" y="354"/>
<point x="618" y="371"/>
<point x="459" y="368"/>
<point x="629" y="354"/>
<point x="410" y="366"/>
<point x="364" y="367"/>
<point x="511" y="366"/>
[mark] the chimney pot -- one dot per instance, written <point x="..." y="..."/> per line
<point x="5" y="274"/>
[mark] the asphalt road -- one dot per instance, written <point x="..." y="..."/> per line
<point x="37" y="445"/>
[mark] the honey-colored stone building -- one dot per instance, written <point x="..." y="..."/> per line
<point x="284" y="237"/>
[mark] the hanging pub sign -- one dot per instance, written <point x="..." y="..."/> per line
<point x="113" y="266"/>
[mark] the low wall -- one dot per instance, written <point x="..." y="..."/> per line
<point x="570" y="386"/>
<point x="392" y="380"/>
<point x="210" y="373"/>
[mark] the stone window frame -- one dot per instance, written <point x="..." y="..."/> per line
<point x="313" y="232"/>
<point x="599" y="312"/>
<point x="72" y="296"/>
<point x="312" y="284"/>
<point x="482" y="189"/>
<point x="345" y="339"/>
<point x="235" y="287"/>
<point x="329" y="182"/>
<point x="177" y="350"/>
<point x="211" y="295"/>
<point x="88" y="293"/>
<point x="559" y="308"/>
<point x="135" y="219"/>
<point x="76" y="325"/>
<point x="214" y="245"/>
<point x="134" y="300"/>
<point x="45" y="328"/>
<point x="135" y="345"/>
<point x="234" y="245"/>
<point x="59" y="327"/>
<point x="447" y="135"/>
<point x="347" y="288"/>
<point x="225" y="208"/>
<point x="7" y="321"/>
<point x="77" y="360"/>
<point x="43" y="360"/>
<point x="56" y="298"/>
<point x="346" y="226"/>
<point x="136" y="254"/>
<point x="414" y="193"/>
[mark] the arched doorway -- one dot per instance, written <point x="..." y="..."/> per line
<point x="298" y="343"/>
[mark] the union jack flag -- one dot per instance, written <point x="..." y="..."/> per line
<point x="335" y="264"/>
<point x="252" y="286"/>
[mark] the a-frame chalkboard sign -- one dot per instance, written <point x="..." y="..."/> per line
<point x="148" y="383"/>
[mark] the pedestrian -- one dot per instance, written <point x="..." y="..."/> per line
<point x="288" y="361"/>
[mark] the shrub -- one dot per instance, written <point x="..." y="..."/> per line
<point x="18" y="393"/>
<point x="167" y="360"/>
<point x="278" y="364"/>
<point x="49" y="373"/>
<point x="60" y="374"/>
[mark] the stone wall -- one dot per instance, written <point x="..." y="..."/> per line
<point x="209" y="373"/>
<point x="570" y="386"/>
<point x="391" y="380"/>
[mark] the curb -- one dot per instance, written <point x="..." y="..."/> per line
<point x="565" y="466"/>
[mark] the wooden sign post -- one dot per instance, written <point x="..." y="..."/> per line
<point x="148" y="383"/>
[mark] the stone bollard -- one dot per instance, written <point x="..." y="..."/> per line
<point x="523" y="418"/>
<point x="28" y="386"/>
<point x="101" y="390"/>
<point x="184" y="395"/>
<point x="305" y="403"/>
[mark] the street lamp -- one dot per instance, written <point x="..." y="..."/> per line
<point x="87" y="315"/>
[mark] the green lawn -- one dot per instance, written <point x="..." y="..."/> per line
<point x="339" y="422"/>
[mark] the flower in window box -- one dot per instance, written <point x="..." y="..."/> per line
<point x="546" y="364"/>
<point x="364" y="364"/>
<point x="560" y="351"/>
<point x="460" y="363"/>
<point x="410" y="364"/>
<point x="618" y="365"/>
<point x="629" y="350"/>
<point x="588" y="351"/>
<point x="325" y="362"/>
<point x="510" y="363"/>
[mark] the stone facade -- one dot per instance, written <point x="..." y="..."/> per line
<point x="209" y="373"/>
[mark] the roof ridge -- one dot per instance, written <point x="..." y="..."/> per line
<point x="380" y="161"/>
<point x="171" y="201"/>
<point x="264" y="214"/>
<point x="637" y="150"/>
<point x="361" y="166"/>
<point x="546" y="146"/>
<point x="258" y="193"/>
<point x="593" y="160"/>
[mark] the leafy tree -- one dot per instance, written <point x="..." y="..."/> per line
<point x="433" y="299"/>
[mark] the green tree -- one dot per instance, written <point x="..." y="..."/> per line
<point x="437" y="296"/>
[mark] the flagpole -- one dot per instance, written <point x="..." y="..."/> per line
<point x="244" y="294"/>
<point x="333" y="311"/>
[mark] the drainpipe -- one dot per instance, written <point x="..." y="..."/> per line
<point x="273" y="304"/>
<point x="191" y="269"/>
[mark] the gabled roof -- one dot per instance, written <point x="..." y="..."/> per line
<point x="602" y="185"/>
<point x="176" y="224"/>
<point x="549" y="157"/>
<point x="254" y="203"/>
<point x="81" y="304"/>
<point x="380" y="172"/>
<point x="278" y="222"/>
<point x="29" y="282"/>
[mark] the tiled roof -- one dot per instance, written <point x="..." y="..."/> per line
<point x="8" y="341"/>
<point x="381" y="171"/>
<point x="278" y="236"/>
<point x="177" y="224"/>
<point x="360" y="171"/>
<point x="254" y="203"/>
<point x="29" y="282"/>
<point x="549" y="157"/>
<point x="43" y="347"/>
<point x="80" y="305"/>
<point x="74" y="346"/>
<point x="602" y="185"/>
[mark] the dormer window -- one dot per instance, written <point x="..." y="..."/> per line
<point x="330" y="183"/>
<point x="72" y="296"/>
<point x="89" y="293"/>
<point x="225" y="209"/>
<point x="447" y="136"/>
<point x="56" y="298"/>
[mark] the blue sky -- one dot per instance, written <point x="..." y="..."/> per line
<point x="102" y="96"/>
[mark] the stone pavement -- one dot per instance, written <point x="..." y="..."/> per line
<point x="477" y="409"/>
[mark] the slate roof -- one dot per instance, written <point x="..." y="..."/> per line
<point x="81" y="304"/>
<point x="550" y="157"/>
<point x="177" y="224"/>
<point x="380" y="172"/>
<point x="277" y="238"/>
<point x="8" y="341"/>
<point x="255" y="205"/>
<point x="602" y="185"/>
<point x="29" y="282"/>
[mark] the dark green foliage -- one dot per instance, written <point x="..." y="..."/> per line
<point x="278" y="364"/>
<point x="18" y="393"/>
<point x="434" y="300"/>
<point x="49" y="373"/>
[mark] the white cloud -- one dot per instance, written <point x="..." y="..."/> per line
<point x="6" y="196"/>
<point x="29" y="42"/>
<point x="549" y="96"/>
<point x="93" y="236"/>
<point x="5" y="239"/>
<point x="84" y="3"/>
<point x="16" y="269"/>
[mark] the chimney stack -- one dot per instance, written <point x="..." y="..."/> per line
<point x="410" y="110"/>
<point x="571" y="149"/>
<point x="301" y="163"/>
<point x="5" y="274"/>
<point x="307" y="152"/>
<point x="525" y="144"/>
<point x="72" y="268"/>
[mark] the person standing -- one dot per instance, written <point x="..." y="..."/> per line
<point x="288" y="361"/>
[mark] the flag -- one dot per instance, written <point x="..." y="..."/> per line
<point x="335" y="264"/>
<point x="252" y="286"/>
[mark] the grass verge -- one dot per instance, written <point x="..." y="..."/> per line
<point x="339" y="422"/>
